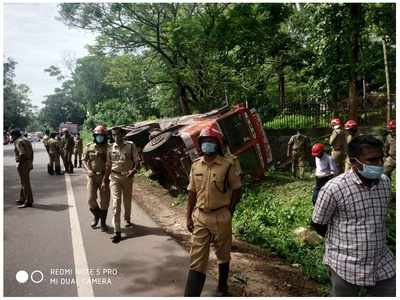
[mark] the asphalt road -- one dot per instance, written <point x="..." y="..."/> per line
<point x="60" y="255"/>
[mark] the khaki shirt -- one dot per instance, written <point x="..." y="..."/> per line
<point x="390" y="146"/>
<point x="23" y="147"/>
<point x="124" y="158"/>
<point x="96" y="156"/>
<point x="68" y="142"/>
<point x="338" y="140"/>
<point x="350" y="137"/>
<point x="298" y="143"/>
<point x="207" y="181"/>
<point x="54" y="146"/>
<point x="78" y="144"/>
<point x="45" y="140"/>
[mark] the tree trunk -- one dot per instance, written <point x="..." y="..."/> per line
<point x="183" y="100"/>
<point x="388" y="108"/>
<point x="355" y="58"/>
<point x="281" y="89"/>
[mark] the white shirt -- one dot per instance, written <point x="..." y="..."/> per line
<point x="325" y="166"/>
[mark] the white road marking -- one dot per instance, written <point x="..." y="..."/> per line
<point x="82" y="276"/>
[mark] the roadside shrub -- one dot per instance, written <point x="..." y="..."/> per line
<point x="269" y="212"/>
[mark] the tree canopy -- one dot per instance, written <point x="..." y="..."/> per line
<point x="155" y="60"/>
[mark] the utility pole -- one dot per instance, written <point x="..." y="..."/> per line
<point x="388" y="107"/>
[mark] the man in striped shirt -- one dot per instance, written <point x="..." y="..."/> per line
<point x="350" y="212"/>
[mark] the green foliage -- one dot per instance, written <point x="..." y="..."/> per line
<point x="17" y="104"/>
<point x="172" y="59"/>
<point x="269" y="212"/>
<point x="297" y="121"/>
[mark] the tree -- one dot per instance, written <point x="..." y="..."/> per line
<point x="17" y="104"/>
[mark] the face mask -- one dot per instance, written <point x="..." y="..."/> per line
<point x="370" y="171"/>
<point x="209" y="148"/>
<point x="99" y="139"/>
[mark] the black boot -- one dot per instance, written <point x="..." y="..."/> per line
<point x="58" y="171"/>
<point x="96" y="213"/>
<point x="116" y="238"/>
<point x="71" y="168"/>
<point x="80" y="164"/>
<point x="222" y="290"/>
<point x="50" y="169"/>
<point x="103" y="217"/>
<point x="194" y="283"/>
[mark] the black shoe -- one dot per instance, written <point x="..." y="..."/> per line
<point x="50" y="170"/>
<point x="194" y="283"/>
<point x="128" y="224"/>
<point x="58" y="171"/>
<point x="222" y="290"/>
<point x="116" y="238"/>
<point x="96" y="214"/>
<point x="19" y="202"/>
<point x="25" y="205"/>
<point x="103" y="217"/>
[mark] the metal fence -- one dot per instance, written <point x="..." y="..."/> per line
<point x="318" y="115"/>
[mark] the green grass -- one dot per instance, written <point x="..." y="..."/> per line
<point x="87" y="136"/>
<point x="297" y="121"/>
<point x="269" y="212"/>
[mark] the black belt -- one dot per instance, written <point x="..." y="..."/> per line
<point x="206" y="210"/>
<point x="120" y="173"/>
<point x="98" y="173"/>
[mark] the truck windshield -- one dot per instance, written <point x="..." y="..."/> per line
<point x="235" y="130"/>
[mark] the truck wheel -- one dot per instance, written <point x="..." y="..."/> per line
<point x="139" y="136"/>
<point x="159" y="144"/>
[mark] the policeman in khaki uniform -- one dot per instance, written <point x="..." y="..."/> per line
<point x="24" y="158"/>
<point x="338" y="142"/>
<point x="390" y="149"/>
<point x="54" y="147"/>
<point x="94" y="161"/>
<point x="214" y="189"/>
<point x="351" y="128"/>
<point x="78" y="149"/>
<point x="121" y="166"/>
<point x="68" y="144"/>
<point x="45" y="139"/>
<point x="297" y="151"/>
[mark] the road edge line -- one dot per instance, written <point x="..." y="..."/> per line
<point x="83" y="280"/>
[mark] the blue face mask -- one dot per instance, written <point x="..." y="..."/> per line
<point x="99" y="139"/>
<point x="370" y="171"/>
<point x="209" y="148"/>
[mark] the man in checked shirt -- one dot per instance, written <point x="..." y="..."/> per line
<point x="350" y="212"/>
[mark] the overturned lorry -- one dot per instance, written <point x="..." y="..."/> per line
<point x="168" y="146"/>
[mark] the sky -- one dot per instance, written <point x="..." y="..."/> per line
<point x="36" y="40"/>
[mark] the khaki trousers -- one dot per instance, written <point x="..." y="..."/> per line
<point x="77" y="158"/>
<point x="54" y="161"/>
<point x="298" y="161"/>
<point x="94" y="185"/>
<point x="210" y="228"/>
<point x="339" y="157"/>
<point x="68" y="160"/>
<point x="121" y="187"/>
<point x="389" y="165"/>
<point x="24" y="170"/>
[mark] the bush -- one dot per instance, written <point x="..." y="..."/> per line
<point x="297" y="121"/>
<point x="268" y="214"/>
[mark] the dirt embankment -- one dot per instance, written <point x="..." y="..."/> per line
<point x="254" y="271"/>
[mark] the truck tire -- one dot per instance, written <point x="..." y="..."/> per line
<point x="159" y="144"/>
<point x="139" y="136"/>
